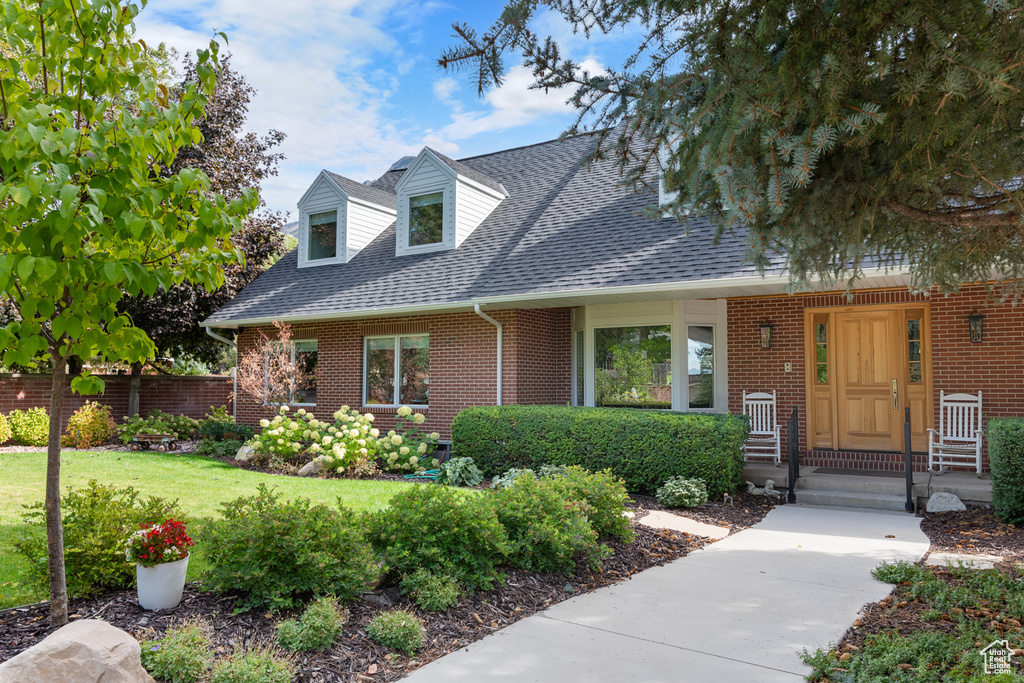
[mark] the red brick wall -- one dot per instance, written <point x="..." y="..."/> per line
<point x="994" y="367"/>
<point x="190" y="396"/>
<point x="463" y="354"/>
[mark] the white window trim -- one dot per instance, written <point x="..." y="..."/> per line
<point x="447" y="231"/>
<point x="398" y="360"/>
<point x="685" y="343"/>
<point x="340" y="247"/>
<point x="295" y="343"/>
<point x="590" y="342"/>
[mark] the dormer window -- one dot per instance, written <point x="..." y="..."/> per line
<point x="426" y="219"/>
<point x="323" y="235"/>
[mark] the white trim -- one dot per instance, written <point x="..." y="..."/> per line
<point x="395" y="376"/>
<point x="482" y="188"/>
<point x="307" y="208"/>
<point x="371" y="205"/>
<point x="414" y="166"/>
<point x="402" y="248"/>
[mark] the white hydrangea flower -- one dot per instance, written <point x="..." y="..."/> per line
<point x="369" y="417"/>
<point x="300" y="411"/>
<point x="310" y="415"/>
<point x="422" y="449"/>
<point x="344" y="409"/>
<point x="396" y="440"/>
<point x="375" y="432"/>
<point x="305" y="433"/>
<point x="391" y="433"/>
<point x="363" y="451"/>
<point x="361" y="442"/>
<point x="280" y="442"/>
<point x="354" y="433"/>
<point x="413" y="460"/>
<point x="293" y="426"/>
<point x="314" y="423"/>
<point x="314" y="448"/>
<point x="418" y="418"/>
<point x="404" y="450"/>
<point x="404" y="411"/>
<point x="264" y="423"/>
<point x="337" y="415"/>
<point x="435" y="436"/>
<point x="326" y="440"/>
<point x="285" y="409"/>
<point x="296" y="447"/>
<point x="332" y="430"/>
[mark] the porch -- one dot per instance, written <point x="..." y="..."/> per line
<point x="873" y="489"/>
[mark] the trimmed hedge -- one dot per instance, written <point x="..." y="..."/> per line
<point x="1006" y="460"/>
<point x="644" y="448"/>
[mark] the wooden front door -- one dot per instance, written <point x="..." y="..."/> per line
<point x="866" y="364"/>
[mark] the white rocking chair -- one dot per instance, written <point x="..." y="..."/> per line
<point x="765" y="440"/>
<point x="957" y="442"/>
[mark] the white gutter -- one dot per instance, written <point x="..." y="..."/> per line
<point x="234" y="375"/>
<point x="494" y="322"/>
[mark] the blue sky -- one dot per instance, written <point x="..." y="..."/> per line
<point x="354" y="84"/>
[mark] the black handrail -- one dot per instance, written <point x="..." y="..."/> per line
<point x="909" y="506"/>
<point x="793" y="441"/>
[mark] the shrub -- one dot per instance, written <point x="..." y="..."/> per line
<point x="316" y="629"/>
<point x="218" y="449"/>
<point x="252" y="666"/>
<point x="398" y="630"/>
<point x="501" y="481"/>
<point x="219" y="425"/>
<point x="348" y="443"/>
<point x="181" y="656"/>
<point x="90" y="425"/>
<point x="158" y="422"/>
<point x="405" y="448"/>
<point x="432" y="592"/>
<point x="545" y="529"/>
<point x="276" y="553"/>
<point x="899" y="571"/>
<point x="98" y="521"/>
<point x="30" y="427"/>
<point x="682" y="492"/>
<point x="459" y="472"/>
<point x="5" y="430"/>
<point x="1006" y="460"/>
<point x="642" y="447"/>
<point x="442" y="530"/>
<point x="604" y="493"/>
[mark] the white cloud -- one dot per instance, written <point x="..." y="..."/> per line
<point x="444" y="87"/>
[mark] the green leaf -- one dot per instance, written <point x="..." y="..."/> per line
<point x="26" y="267"/>
<point x="20" y="194"/>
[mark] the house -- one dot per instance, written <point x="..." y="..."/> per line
<point x="520" y="277"/>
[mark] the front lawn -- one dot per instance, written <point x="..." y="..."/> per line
<point x="200" y="485"/>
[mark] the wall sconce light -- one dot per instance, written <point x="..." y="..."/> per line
<point x="766" y="334"/>
<point x="977" y="322"/>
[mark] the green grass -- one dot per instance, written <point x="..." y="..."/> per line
<point x="200" y="485"/>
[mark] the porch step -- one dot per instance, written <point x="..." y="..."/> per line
<point x="851" y="483"/>
<point x="872" y="501"/>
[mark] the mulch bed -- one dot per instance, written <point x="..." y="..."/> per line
<point x="973" y="531"/>
<point x="354" y="656"/>
<point x="743" y="511"/>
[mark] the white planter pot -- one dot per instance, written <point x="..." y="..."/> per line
<point x="160" y="587"/>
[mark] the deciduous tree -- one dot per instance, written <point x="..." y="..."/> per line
<point x="86" y="210"/>
<point x="842" y="133"/>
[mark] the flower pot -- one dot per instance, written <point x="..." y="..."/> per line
<point x="161" y="586"/>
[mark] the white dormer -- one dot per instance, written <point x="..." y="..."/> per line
<point x="440" y="202"/>
<point x="338" y="217"/>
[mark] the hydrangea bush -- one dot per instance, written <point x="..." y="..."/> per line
<point x="348" y="442"/>
<point x="405" y="448"/>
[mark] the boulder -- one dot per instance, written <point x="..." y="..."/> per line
<point x="944" y="502"/>
<point x="310" y="469"/>
<point x="85" y="651"/>
<point x="244" y="453"/>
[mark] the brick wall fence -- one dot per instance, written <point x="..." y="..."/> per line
<point x="177" y="395"/>
<point x="536" y="352"/>
<point x="995" y="366"/>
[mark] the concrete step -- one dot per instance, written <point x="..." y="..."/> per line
<point x="851" y="483"/>
<point x="873" y="501"/>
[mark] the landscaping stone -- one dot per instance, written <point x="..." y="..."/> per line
<point x="245" y="453"/>
<point x="944" y="502"/>
<point x="659" y="519"/>
<point x="85" y="651"/>
<point x="953" y="559"/>
<point x="310" y="469"/>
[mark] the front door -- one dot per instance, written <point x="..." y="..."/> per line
<point x="866" y="365"/>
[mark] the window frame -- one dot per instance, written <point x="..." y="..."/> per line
<point x="685" y="342"/>
<point x="592" y="370"/>
<point x="447" y="242"/>
<point x="340" y="207"/>
<point x="295" y="351"/>
<point x="398" y="359"/>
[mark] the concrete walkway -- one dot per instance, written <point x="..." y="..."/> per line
<point x="739" y="610"/>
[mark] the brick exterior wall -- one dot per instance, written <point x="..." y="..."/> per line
<point x="995" y="366"/>
<point x="463" y="354"/>
<point x="190" y="396"/>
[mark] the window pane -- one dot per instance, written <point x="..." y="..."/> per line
<point x="821" y="333"/>
<point x="305" y="356"/>
<point x="633" y="367"/>
<point x="415" y="370"/>
<point x="915" y="373"/>
<point x="700" y="361"/>
<point x="579" y="368"/>
<point x="426" y="219"/>
<point x="380" y="371"/>
<point x="323" y="235"/>
<point x="914" y="330"/>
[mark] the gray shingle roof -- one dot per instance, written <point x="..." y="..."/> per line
<point x="562" y="228"/>
<point x="367" y="193"/>
<point x="470" y="173"/>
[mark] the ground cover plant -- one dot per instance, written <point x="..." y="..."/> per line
<point x="682" y="492"/>
<point x="181" y="656"/>
<point x="643" y="448"/>
<point x="398" y="629"/>
<point x="931" y="628"/>
<point x="199" y="484"/>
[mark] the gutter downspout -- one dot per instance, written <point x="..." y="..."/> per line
<point x="234" y="375"/>
<point x="476" y="308"/>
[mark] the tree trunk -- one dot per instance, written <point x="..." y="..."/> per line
<point x="134" y="389"/>
<point x="54" y="526"/>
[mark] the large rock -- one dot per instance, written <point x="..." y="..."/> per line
<point x="85" y="651"/>
<point x="311" y="468"/>
<point x="944" y="502"/>
<point x="244" y="453"/>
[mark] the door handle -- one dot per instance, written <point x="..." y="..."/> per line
<point x="895" y="396"/>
